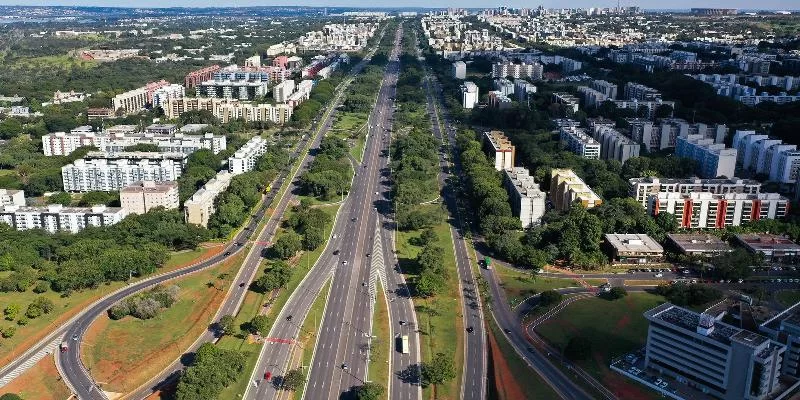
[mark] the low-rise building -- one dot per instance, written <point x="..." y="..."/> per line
<point x="459" y="70"/>
<point x="226" y="110"/>
<point x="161" y="129"/>
<point x="567" y="188"/>
<point x="636" y="91"/>
<point x="650" y="107"/>
<point x="12" y="197"/>
<point x="245" y="158"/>
<point x="614" y="145"/>
<point x="569" y="101"/>
<point x="143" y="196"/>
<point x="57" y="218"/>
<point x="200" y="207"/>
<point x="498" y="100"/>
<point x="634" y="248"/>
<point x="527" y="200"/>
<point x="113" y="171"/>
<point x="698" y="244"/>
<point x="717" y="211"/>
<point x="773" y="247"/>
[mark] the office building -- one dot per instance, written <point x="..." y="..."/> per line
<point x="566" y="189"/>
<point x="282" y="91"/>
<point x="200" y="207"/>
<point x="498" y="100"/>
<point x="527" y="200"/>
<point x="201" y="75"/>
<point x="577" y="141"/>
<point x="12" y="197"/>
<point x="633" y="248"/>
<point x="112" y="172"/>
<point x="469" y="95"/>
<point x="774" y="248"/>
<point x="143" y="196"/>
<point x="716" y="358"/>
<point x="714" y="160"/>
<point x="608" y="89"/>
<point x="785" y="329"/>
<point x="698" y="244"/>
<point x="500" y="149"/>
<point x="569" y="101"/>
<point x="57" y="218"/>
<point x="642" y="188"/>
<point x="245" y="158"/>
<point x="717" y="211"/>
<point x="635" y="91"/>
<point x="664" y="133"/>
<point x="459" y="70"/>
<point x="614" y="145"/>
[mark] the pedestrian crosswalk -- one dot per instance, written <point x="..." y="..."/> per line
<point x="30" y="362"/>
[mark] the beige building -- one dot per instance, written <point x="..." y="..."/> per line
<point x="567" y="188"/>
<point x="226" y="110"/>
<point x="501" y="149"/>
<point x="199" y="208"/>
<point x="143" y="196"/>
<point x="634" y="248"/>
<point x="130" y="101"/>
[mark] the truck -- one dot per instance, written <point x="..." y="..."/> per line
<point x="487" y="262"/>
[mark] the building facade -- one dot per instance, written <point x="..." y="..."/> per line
<point x="57" y="218"/>
<point x="141" y="197"/>
<point x="642" y="188"/>
<point x="12" y="197"/>
<point x="469" y="95"/>
<point x="200" y="207"/>
<point x="718" y="211"/>
<point x="715" y="160"/>
<point x="500" y="149"/>
<point x="109" y="174"/>
<point x="245" y="158"/>
<point x="567" y="188"/>
<point x="579" y="142"/>
<point x="527" y="200"/>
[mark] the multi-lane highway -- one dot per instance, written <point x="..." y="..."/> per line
<point x="340" y="355"/>
<point x="69" y="363"/>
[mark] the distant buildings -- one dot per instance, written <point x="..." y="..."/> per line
<point x="166" y="93"/>
<point x="784" y="328"/>
<point x="569" y="101"/>
<point x="566" y="188"/>
<point x="282" y="91"/>
<point x="459" y="70"/>
<point x="497" y="99"/>
<point x="57" y="218"/>
<point x="649" y="107"/>
<point x="523" y="89"/>
<point x="245" y="158"/>
<point x="226" y="110"/>
<point x="714" y="159"/>
<point x="712" y="356"/>
<point x="141" y="197"/>
<point x="527" y="200"/>
<point x="240" y="89"/>
<point x="60" y="97"/>
<point x="469" y="95"/>
<point x="761" y="154"/>
<point x="633" y="248"/>
<point x="607" y="89"/>
<point x="698" y="244"/>
<point x="500" y="149"/>
<point x="517" y="71"/>
<point x="636" y="91"/>
<point x="773" y="247"/>
<point x="664" y="133"/>
<point x="579" y="142"/>
<point x="61" y="143"/>
<point x="111" y="172"/>
<point x="137" y="99"/>
<point x="200" y="207"/>
<point x="201" y="75"/>
<point x="717" y="211"/>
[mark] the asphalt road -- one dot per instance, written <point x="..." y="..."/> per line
<point x="344" y="330"/>
<point x="70" y="365"/>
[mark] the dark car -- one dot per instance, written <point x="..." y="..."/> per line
<point x="227" y="253"/>
<point x="336" y="252"/>
<point x="507" y="331"/>
<point x="241" y="284"/>
<point x="469" y="329"/>
<point x="239" y="244"/>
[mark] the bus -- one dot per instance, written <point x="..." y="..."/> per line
<point x="487" y="262"/>
<point x="404" y="344"/>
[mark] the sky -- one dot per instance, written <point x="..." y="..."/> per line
<point x="647" y="4"/>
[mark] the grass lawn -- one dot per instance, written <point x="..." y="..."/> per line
<point x="66" y="307"/>
<point x="351" y="126"/>
<point x="382" y="343"/>
<point x="519" y="286"/>
<point x="308" y="338"/>
<point x="510" y="372"/>
<point x="788" y="297"/>
<point x="126" y="353"/>
<point x="439" y="318"/>
<point x="614" y="328"/>
<point x="41" y="381"/>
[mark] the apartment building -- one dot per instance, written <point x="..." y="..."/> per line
<point x="166" y="93"/>
<point x="226" y="110"/>
<point x="228" y="89"/>
<point x="608" y="89"/>
<point x="569" y="101"/>
<point x="663" y="134"/>
<point x="302" y="94"/>
<point x="714" y="160"/>
<point x="717" y="211"/>
<point x="200" y="207"/>
<point x="459" y="70"/>
<point x="636" y="91"/>
<point x="566" y="188"/>
<point x="498" y="100"/>
<point x="130" y="101"/>
<point x="591" y="97"/>
<point x="469" y="95"/>
<point x="761" y="154"/>
<point x="727" y="362"/>
<point x="527" y="71"/>
<point x="62" y="143"/>
<point x="282" y="91"/>
<point x="785" y="329"/>
<point x="527" y="200"/>
<point x="12" y="197"/>
<point x="649" y="107"/>
<point x="115" y="171"/>
<point x="523" y="89"/>
<point x="579" y="142"/>
<point x="614" y="145"/>
<point x="642" y="188"/>
<point x="141" y="197"/>
<point x="497" y="145"/>
<point x="201" y="75"/>
<point x="633" y="248"/>
<point x="504" y="86"/>
<point x="57" y="218"/>
<point x="245" y="158"/>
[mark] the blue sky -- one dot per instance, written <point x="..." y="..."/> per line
<point x="765" y="4"/>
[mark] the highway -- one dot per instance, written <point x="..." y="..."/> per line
<point x="69" y="363"/>
<point x="473" y="384"/>
<point x="344" y="333"/>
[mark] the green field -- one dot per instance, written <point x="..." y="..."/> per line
<point x="788" y="297"/>
<point x="382" y="343"/>
<point x="309" y="330"/>
<point x="519" y="286"/>
<point x="439" y="318"/>
<point x="351" y="126"/>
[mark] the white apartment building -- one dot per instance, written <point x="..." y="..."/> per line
<point x="226" y="110"/>
<point x="282" y="91"/>
<point x="703" y="210"/>
<point x="567" y="188"/>
<point x="200" y="207"/>
<point x="459" y="70"/>
<point x="715" y="160"/>
<point x="569" y="101"/>
<point x="664" y="133"/>
<point x="577" y="141"/>
<point x="591" y="97"/>
<point x="761" y="154"/>
<point x="608" y="89"/>
<point x="12" y="197"/>
<point x="245" y="158"/>
<point x="233" y="89"/>
<point x="527" y="71"/>
<point x="636" y="91"/>
<point x="141" y="197"/>
<point x="104" y="174"/>
<point x="57" y="218"/>
<point x="62" y="144"/>
<point x="130" y="101"/>
<point x="527" y="200"/>
<point x="504" y="86"/>
<point x="650" y="106"/>
<point x="500" y="148"/>
<point x="642" y="188"/>
<point x="614" y="145"/>
<point x="166" y="93"/>
<point x="469" y="95"/>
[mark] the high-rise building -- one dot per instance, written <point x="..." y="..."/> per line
<point x="649" y="107"/>
<point x="201" y="75"/>
<point x="664" y="133"/>
<point x="523" y="89"/>
<point x="245" y="158"/>
<point x="226" y="110"/>
<point x="238" y="89"/>
<point x="282" y="91"/>
<point x="715" y="160"/>
<point x="459" y="70"/>
<point x="143" y="196"/>
<point x="591" y="97"/>
<point x="636" y="91"/>
<point x="569" y="101"/>
<point x="500" y="148"/>
<point x="527" y="200"/>
<point x="527" y="71"/>
<point x="469" y="95"/>
<point x="57" y="218"/>
<point x="717" y="211"/>
<point x="727" y="362"/>
<point x="761" y="154"/>
<point x="504" y="86"/>
<point x="614" y="145"/>
<point x="200" y="207"/>
<point x="606" y="88"/>
<point x="566" y="189"/>
<point x="642" y="188"/>
<point x="497" y="99"/>
<point x="164" y="94"/>
<point x="577" y="141"/>
<point x="785" y="328"/>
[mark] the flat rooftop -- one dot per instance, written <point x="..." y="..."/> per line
<point x="633" y="242"/>
<point x="699" y="242"/>
<point x="499" y="141"/>
<point x="150" y="187"/>
<point x="687" y="321"/>
<point x="766" y="241"/>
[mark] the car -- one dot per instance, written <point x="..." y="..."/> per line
<point x="75" y="337"/>
<point x="376" y="193"/>
<point x="507" y="331"/>
<point x="267" y="375"/>
<point x="741" y="281"/>
<point x="227" y="253"/>
<point x="353" y="219"/>
<point x="239" y="244"/>
<point x="335" y="236"/>
<point x="345" y="367"/>
<point x="289" y="318"/>
<point x="368" y="254"/>
<point x="241" y="284"/>
<point x="659" y="275"/>
<point x="469" y="329"/>
<point x="336" y="252"/>
<point x="363" y="283"/>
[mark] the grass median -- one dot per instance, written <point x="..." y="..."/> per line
<point x="382" y="342"/>
<point x="519" y="285"/>
<point x="309" y="332"/>
<point x="41" y="381"/>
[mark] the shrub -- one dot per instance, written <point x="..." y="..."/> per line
<point x="578" y="348"/>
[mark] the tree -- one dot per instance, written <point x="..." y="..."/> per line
<point x="10" y="128"/>
<point x="62" y="198"/>
<point x="148" y="147"/>
<point x="578" y="348"/>
<point x="12" y="311"/>
<point x="313" y="237"/>
<point x="10" y="396"/>
<point x="439" y="370"/>
<point x="226" y="325"/>
<point x="549" y="297"/>
<point x="370" y="391"/>
<point x="96" y="197"/>
<point x="667" y="222"/>
<point x="293" y="379"/>
<point x="259" y="325"/>
<point x="615" y="293"/>
<point x="287" y="245"/>
<point x="8" y="332"/>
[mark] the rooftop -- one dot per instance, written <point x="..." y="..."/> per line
<point x="688" y="321"/>
<point x="499" y="141"/>
<point x="150" y="187"/>
<point x="633" y="242"/>
<point x="759" y="241"/>
<point x="699" y="242"/>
